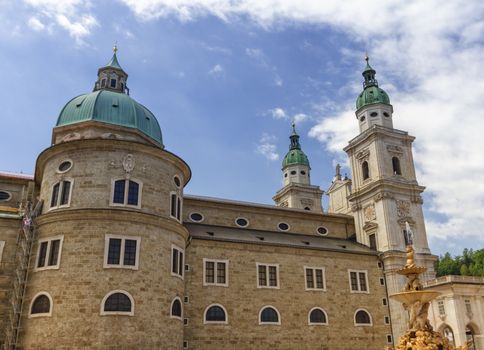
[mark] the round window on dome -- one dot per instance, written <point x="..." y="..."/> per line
<point x="5" y="196"/>
<point x="177" y="181"/>
<point x="196" y="217"/>
<point x="362" y="119"/>
<point x="285" y="175"/>
<point x="283" y="226"/>
<point x="386" y="114"/>
<point x="293" y="172"/>
<point x="242" y="222"/>
<point x="374" y="114"/>
<point x="323" y="231"/>
<point x="64" y="166"/>
<point x="303" y="172"/>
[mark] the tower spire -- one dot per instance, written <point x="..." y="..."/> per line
<point x="294" y="138"/>
<point x="369" y="74"/>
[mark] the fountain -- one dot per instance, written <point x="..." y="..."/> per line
<point x="420" y="334"/>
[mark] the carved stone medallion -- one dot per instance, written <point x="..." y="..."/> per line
<point x="128" y="163"/>
<point x="370" y="213"/>
<point x="403" y="208"/>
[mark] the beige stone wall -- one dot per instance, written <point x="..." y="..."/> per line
<point x="96" y="163"/>
<point x="260" y="217"/>
<point x="9" y="229"/>
<point x="243" y="300"/>
<point x="81" y="282"/>
<point x="79" y="285"/>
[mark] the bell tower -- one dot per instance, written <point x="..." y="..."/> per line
<point x="297" y="191"/>
<point x="386" y="198"/>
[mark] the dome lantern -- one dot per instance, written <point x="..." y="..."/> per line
<point x="112" y="76"/>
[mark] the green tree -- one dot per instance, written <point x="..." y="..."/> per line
<point x="470" y="263"/>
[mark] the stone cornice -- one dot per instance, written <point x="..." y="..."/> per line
<point x="373" y="132"/>
<point x="385" y="188"/>
<point x="118" y="215"/>
<point x="97" y="144"/>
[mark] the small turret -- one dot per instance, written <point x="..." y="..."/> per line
<point x="295" y="165"/>
<point x="297" y="191"/>
<point x="112" y="76"/>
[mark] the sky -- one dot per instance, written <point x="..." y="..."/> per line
<point x="225" y="79"/>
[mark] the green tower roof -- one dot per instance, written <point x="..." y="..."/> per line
<point x="112" y="108"/>
<point x="295" y="155"/>
<point x="113" y="63"/>
<point x="371" y="92"/>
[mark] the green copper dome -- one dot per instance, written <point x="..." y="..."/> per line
<point x="295" y="156"/>
<point x="110" y="103"/>
<point x="112" y="108"/>
<point x="371" y="92"/>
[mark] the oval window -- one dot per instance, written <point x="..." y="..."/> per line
<point x="374" y="114"/>
<point x="322" y="231"/>
<point x="362" y="119"/>
<point x="293" y="172"/>
<point x="285" y="175"/>
<point x="177" y="181"/>
<point x="242" y="222"/>
<point x="197" y="217"/>
<point x="386" y="114"/>
<point x="303" y="172"/>
<point x="283" y="226"/>
<point x="65" y="166"/>
<point x="4" y="196"/>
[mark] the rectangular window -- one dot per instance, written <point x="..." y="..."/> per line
<point x="384" y="301"/>
<point x="113" y="83"/>
<point x="267" y="275"/>
<point x="382" y="281"/>
<point x="2" y="246"/>
<point x="389" y="338"/>
<point x="314" y="278"/>
<point x="133" y="193"/>
<point x="216" y="272"/>
<point x="175" y="206"/>
<point x="386" y="320"/>
<point x="121" y="252"/>
<point x="372" y="239"/>
<point x="49" y="253"/>
<point x="441" y="305"/>
<point x="358" y="281"/>
<point x="177" y="261"/>
<point x="126" y="192"/>
<point x="64" y="189"/>
<point x="467" y="302"/>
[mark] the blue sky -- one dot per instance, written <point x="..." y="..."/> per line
<point x="226" y="78"/>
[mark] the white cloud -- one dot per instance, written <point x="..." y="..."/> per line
<point x="35" y="24"/>
<point x="267" y="147"/>
<point x="70" y="15"/>
<point x="216" y="70"/>
<point x="433" y="54"/>
<point x="278" y="113"/>
<point x="278" y="81"/>
<point x="300" y="117"/>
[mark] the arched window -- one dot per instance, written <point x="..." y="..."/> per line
<point x="396" y="166"/>
<point x="61" y="194"/>
<point x="365" y="169"/>
<point x="215" y="313"/>
<point x="41" y="305"/>
<point x="449" y="334"/>
<point x="470" y="336"/>
<point x="126" y="192"/>
<point x="176" y="308"/>
<point x="117" y="302"/>
<point x="362" y="318"/>
<point x="269" y="315"/>
<point x="317" y="316"/>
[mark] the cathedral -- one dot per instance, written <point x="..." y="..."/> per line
<point x="101" y="248"/>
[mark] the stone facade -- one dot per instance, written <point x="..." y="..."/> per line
<point x="458" y="311"/>
<point x="122" y="259"/>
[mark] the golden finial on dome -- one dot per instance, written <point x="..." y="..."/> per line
<point x="115" y="47"/>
